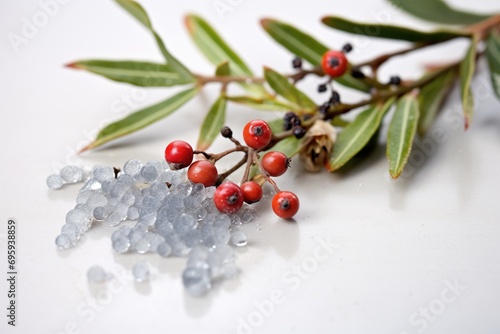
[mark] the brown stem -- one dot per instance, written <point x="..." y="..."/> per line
<point x="248" y="166"/>
<point x="223" y="176"/>
<point x="482" y="28"/>
<point x="382" y="96"/>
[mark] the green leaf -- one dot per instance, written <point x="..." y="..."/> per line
<point x="276" y="125"/>
<point x="213" y="122"/>
<point x="493" y="53"/>
<point x="267" y="103"/>
<point x="217" y="51"/>
<point x="289" y="146"/>
<point x="137" y="11"/>
<point x="283" y="87"/>
<point x="467" y="69"/>
<point x="357" y="134"/>
<point x="432" y="97"/>
<point x="305" y="46"/>
<point x="144" y="74"/>
<point x="223" y="70"/>
<point x="437" y="11"/>
<point x="389" y="31"/>
<point x="401" y="133"/>
<point x="142" y="118"/>
<point x="296" y="41"/>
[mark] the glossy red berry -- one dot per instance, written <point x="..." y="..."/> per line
<point x="285" y="204"/>
<point x="275" y="163"/>
<point x="334" y="63"/>
<point x="178" y="154"/>
<point x="257" y="134"/>
<point x="252" y="191"/>
<point x="228" y="197"/>
<point x="203" y="172"/>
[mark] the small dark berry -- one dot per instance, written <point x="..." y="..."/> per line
<point x="395" y="80"/>
<point x="335" y="98"/>
<point x="297" y="62"/>
<point x="299" y="132"/>
<point x="296" y="121"/>
<point x="322" y="88"/>
<point x="287" y="125"/>
<point x="289" y="115"/>
<point x="323" y="109"/>
<point x="347" y="48"/>
<point x="356" y="73"/>
<point x="226" y="132"/>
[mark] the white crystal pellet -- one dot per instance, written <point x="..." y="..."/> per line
<point x="71" y="174"/>
<point x="196" y="281"/>
<point x="121" y="244"/>
<point x="142" y="246"/>
<point x="103" y="173"/>
<point x="54" y="182"/>
<point x="96" y="274"/>
<point x="238" y="238"/>
<point x="63" y="241"/>
<point x="140" y="271"/>
<point x="132" y="167"/>
<point x="164" y="249"/>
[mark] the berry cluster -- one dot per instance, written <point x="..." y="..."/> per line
<point x="229" y="196"/>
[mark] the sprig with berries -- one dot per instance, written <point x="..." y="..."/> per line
<point x="229" y="196"/>
<point x="315" y="131"/>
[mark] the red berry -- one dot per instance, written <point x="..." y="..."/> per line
<point x="285" y="204"/>
<point x="179" y="154"/>
<point x="203" y="172"/>
<point x="252" y="191"/>
<point x="228" y="197"/>
<point x="334" y="63"/>
<point x="257" y="134"/>
<point x="275" y="163"/>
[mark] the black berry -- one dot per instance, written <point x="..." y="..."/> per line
<point x="356" y="73"/>
<point x="299" y="132"/>
<point x="335" y="98"/>
<point x="322" y="88"/>
<point x="297" y="62"/>
<point x="347" y="48"/>
<point x="395" y="80"/>
<point x="226" y="132"/>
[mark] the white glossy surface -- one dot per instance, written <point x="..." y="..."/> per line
<point x="396" y="245"/>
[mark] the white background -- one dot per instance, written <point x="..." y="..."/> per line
<point x="397" y="245"/>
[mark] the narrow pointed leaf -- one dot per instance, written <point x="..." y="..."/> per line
<point x="142" y="118"/>
<point x="267" y="103"/>
<point x="467" y="69"/>
<point x="283" y="87"/>
<point x="493" y="53"/>
<point x="437" y="11"/>
<point x="144" y="74"/>
<point x="389" y="31"/>
<point x="217" y="50"/>
<point x="432" y="98"/>
<point x="305" y="46"/>
<point x="401" y="133"/>
<point x="137" y="11"/>
<point x="357" y="134"/>
<point x="213" y="122"/>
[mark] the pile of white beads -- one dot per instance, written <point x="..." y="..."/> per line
<point x="175" y="220"/>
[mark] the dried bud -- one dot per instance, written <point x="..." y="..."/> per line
<point x="317" y="145"/>
<point x="226" y="132"/>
